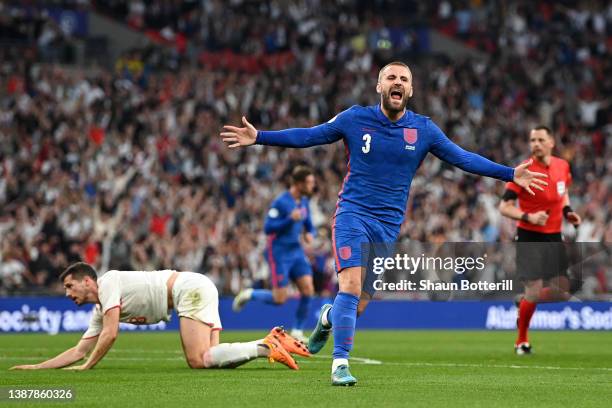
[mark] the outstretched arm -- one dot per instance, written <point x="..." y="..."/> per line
<point x="70" y="356"/>
<point x="448" y="151"/>
<point x="298" y="137"/>
<point x="110" y="330"/>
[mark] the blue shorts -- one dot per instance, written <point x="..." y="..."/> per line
<point x="352" y="233"/>
<point x="286" y="264"/>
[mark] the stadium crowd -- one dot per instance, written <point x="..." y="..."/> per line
<point x="123" y="167"/>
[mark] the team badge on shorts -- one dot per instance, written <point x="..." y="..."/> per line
<point x="345" y="252"/>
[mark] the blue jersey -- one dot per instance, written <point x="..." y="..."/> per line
<point x="383" y="157"/>
<point x="281" y="226"/>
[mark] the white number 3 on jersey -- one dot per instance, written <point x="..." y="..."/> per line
<point x="366" y="139"/>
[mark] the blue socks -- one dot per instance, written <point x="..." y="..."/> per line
<point x="302" y="312"/>
<point x="263" y="295"/>
<point x="343" y="315"/>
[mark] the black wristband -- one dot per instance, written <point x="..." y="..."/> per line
<point x="509" y="195"/>
<point x="525" y="217"/>
<point x="566" y="210"/>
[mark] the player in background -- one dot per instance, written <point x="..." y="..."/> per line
<point x="148" y="297"/>
<point x="385" y="145"/>
<point x="287" y="220"/>
<point x="539" y="220"/>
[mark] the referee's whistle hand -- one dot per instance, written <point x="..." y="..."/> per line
<point x="529" y="180"/>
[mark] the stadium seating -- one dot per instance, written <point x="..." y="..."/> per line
<point x="123" y="167"/>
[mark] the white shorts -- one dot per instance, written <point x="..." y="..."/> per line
<point x="195" y="296"/>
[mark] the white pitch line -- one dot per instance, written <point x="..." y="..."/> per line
<point x="465" y="365"/>
<point x="512" y="366"/>
<point x="360" y="360"/>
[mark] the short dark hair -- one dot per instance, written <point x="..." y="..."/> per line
<point x="300" y="173"/>
<point x="78" y="271"/>
<point x="544" y="128"/>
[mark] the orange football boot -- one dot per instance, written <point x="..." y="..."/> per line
<point x="289" y="343"/>
<point x="278" y="353"/>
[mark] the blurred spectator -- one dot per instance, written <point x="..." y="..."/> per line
<point x="124" y="168"/>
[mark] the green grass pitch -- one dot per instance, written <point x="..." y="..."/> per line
<point x="394" y="368"/>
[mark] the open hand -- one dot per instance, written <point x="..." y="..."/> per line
<point x="25" y="367"/>
<point x="236" y="136"/>
<point x="529" y="179"/>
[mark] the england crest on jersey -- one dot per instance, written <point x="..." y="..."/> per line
<point x="410" y="136"/>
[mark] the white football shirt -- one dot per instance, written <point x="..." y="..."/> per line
<point x="141" y="295"/>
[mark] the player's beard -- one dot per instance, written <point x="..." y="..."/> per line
<point x="386" y="102"/>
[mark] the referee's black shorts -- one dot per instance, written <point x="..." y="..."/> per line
<point x="539" y="255"/>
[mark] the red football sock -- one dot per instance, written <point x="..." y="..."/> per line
<point x="526" y="309"/>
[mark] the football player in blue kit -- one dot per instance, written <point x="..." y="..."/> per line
<point x="385" y="145"/>
<point x="287" y="220"/>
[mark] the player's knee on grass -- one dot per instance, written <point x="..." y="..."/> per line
<point x="195" y="360"/>
<point x="195" y="338"/>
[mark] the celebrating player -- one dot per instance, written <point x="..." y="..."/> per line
<point x="385" y="145"/>
<point x="148" y="297"/>
<point x="540" y="218"/>
<point x="287" y="219"/>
